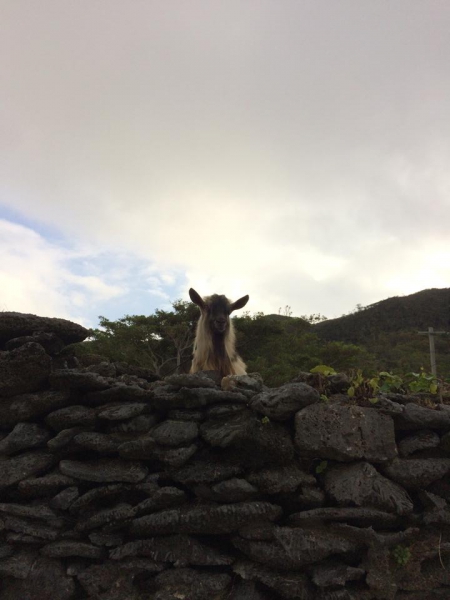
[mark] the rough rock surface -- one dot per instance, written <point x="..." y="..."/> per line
<point x="115" y="486"/>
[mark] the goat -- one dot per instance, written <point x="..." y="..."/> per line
<point x="214" y="346"/>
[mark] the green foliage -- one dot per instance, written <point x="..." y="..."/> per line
<point x="402" y="555"/>
<point x="265" y="420"/>
<point x="321" y="467"/>
<point x="161" y="342"/>
<point x="421" y="382"/>
<point x="323" y="370"/>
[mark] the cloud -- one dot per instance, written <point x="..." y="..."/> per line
<point x="297" y="152"/>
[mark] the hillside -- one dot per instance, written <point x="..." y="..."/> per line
<point x="416" y="312"/>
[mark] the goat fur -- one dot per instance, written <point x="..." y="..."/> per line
<point x="216" y="351"/>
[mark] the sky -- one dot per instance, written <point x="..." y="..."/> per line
<point x="295" y="151"/>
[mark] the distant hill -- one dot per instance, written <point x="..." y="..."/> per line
<point x="416" y="312"/>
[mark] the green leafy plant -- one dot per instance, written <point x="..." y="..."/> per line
<point x="422" y="382"/>
<point x="323" y="370"/>
<point x="321" y="467"/>
<point x="265" y="420"/>
<point x="401" y="555"/>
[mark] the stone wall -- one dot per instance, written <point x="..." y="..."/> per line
<point x="115" y="486"/>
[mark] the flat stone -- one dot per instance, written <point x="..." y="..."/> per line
<point x="44" y="486"/>
<point x="282" y="403"/>
<point x="5" y="550"/>
<point x="16" y="324"/>
<point x="108" y="540"/>
<point x="118" y="392"/>
<point x="40" y="511"/>
<point x="280" y="479"/>
<point x="136" y="425"/>
<point x="186" y="414"/>
<point x="23" y="370"/>
<point x="118" y="514"/>
<point x="207" y="467"/>
<point x="17" y="566"/>
<point x="344" y="433"/>
<point x="422" y="440"/>
<point x="27" y="407"/>
<point x="445" y="443"/>
<point x="360" y="484"/>
<point x="180" y="549"/>
<point x="104" y="470"/>
<point x="362" y="517"/>
<point x="192" y="584"/>
<point x="103" y="443"/>
<point x="205" y="519"/>
<point x="174" y="457"/>
<point x="64" y="499"/>
<point x="290" y="585"/>
<point x="311" y="496"/>
<point x="71" y="416"/>
<point x="23" y="437"/>
<point x="175" y="433"/>
<point x="248" y="590"/>
<point x="165" y="497"/>
<point x="98" y="579"/>
<point x="63" y="438"/>
<point x="46" y="580"/>
<point x="335" y="574"/>
<point x="292" y="549"/>
<point x="31" y="528"/>
<point x="233" y="490"/>
<point x="415" y="416"/>
<point x="417" y="473"/>
<point x="66" y="548"/>
<point x="98" y="495"/>
<point x="70" y="379"/>
<point x="191" y="380"/>
<point x="51" y="343"/>
<point x="22" y="466"/>
<point x="249" y="385"/>
<point x="194" y="398"/>
<point x="138" y="449"/>
<point x="122" y="412"/>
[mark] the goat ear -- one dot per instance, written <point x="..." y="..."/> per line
<point x="240" y="303"/>
<point x="196" y="298"/>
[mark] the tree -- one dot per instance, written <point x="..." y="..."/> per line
<point x="161" y="342"/>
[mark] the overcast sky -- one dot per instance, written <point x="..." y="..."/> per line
<point x="295" y="150"/>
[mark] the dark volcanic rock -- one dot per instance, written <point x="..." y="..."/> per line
<point x="248" y="590"/>
<point x="280" y="479"/>
<point x="360" y="484"/>
<point x="30" y="406"/>
<point x="417" y="473"/>
<point x="207" y="468"/>
<point x="44" y="486"/>
<point x="175" y="433"/>
<point x="291" y="585"/>
<point x="40" y="511"/>
<point x="69" y="379"/>
<point x="108" y="516"/>
<point x="51" y="343"/>
<point x="192" y="584"/>
<point x="233" y="490"/>
<point x="17" y="566"/>
<point x="22" y="437"/>
<point x="165" y="497"/>
<point x="191" y="380"/>
<point x="97" y="580"/>
<point x="71" y="416"/>
<point x="174" y="457"/>
<point x="138" y="449"/>
<point x="423" y="440"/>
<point x="66" y="548"/>
<point x="64" y="499"/>
<point x="194" y="398"/>
<point x="15" y="324"/>
<point x="415" y="416"/>
<point x="363" y="517"/>
<point x="180" y="549"/>
<point x="97" y="495"/>
<point x="281" y="403"/>
<point x="63" y="438"/>
<point x="46" y="580"/>
<point x="335" y="574"/>
<point x="208" y="519"/>
<point x="118" y="392"/>
<point x="294" y="548"/>
<point x="102" y="443"/>
<point x="104" y="470"/>
<point x="23" y="370"/>
<point x="249" y="385"/>
<point x="122" y="412"/>
<point x="344" y="433"/>
<point x="24" y="465"/>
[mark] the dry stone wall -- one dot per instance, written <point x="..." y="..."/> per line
<point x="116" y="486"/>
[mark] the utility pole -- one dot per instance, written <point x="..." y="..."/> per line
<point x="431" y="333"/>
